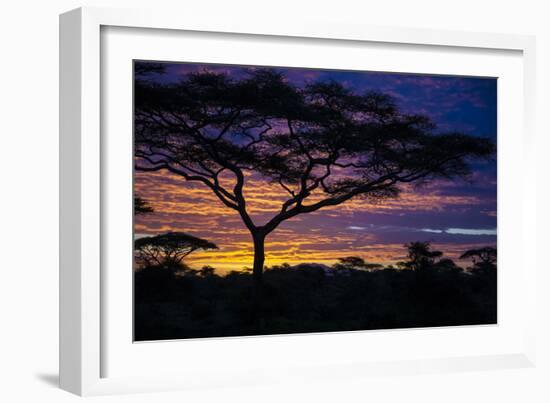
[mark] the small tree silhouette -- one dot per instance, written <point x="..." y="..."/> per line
<point x="141" y="206"/>
<point x="420" y="256"/>
<point x="355" y="263"/>
<point x="483" y="259"/>
<point x="322" y="144"/>
<point x="207" y="271"/>
<point x="168" y="250"/>
<point x="485" y="255"/>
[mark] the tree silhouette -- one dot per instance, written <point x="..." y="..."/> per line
<point x="322" y="143"/>
<point x="168" y="250"/>
<point x="420" y="256"/>
<point x="207" y="271"/>
<point x="484" y="259"/>
<point x="142" y="206"/>
<point x="486" y="255"/>
<point x="309" y="298"/>
<point x="355" y="263"/>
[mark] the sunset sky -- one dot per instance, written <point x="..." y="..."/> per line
<point x="454" y="216"/>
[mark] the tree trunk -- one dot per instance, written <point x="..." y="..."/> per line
<point x="257" y="274"/>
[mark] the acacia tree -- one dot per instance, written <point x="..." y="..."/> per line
<point x="168" y="250"/>
<point x="321" y="143"/>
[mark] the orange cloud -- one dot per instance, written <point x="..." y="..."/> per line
<point x="193" y="208"/>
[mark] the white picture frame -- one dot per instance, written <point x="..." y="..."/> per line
<point x="86" y="345"/>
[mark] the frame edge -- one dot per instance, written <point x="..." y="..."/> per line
<point x="79" y="308"/>
<point x="70" y="119"/>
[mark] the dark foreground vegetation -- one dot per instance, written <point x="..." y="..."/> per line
<point x="175" y="302"/>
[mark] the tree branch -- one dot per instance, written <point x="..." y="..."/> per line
<point x="214" y="186"/>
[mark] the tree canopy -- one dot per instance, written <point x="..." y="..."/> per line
<point x="322" y="138"/>
<point x="486" y="254"/>
<point x="420" y="255"/>
<point x="355" y="263"/>
<point x="168" y="249"/>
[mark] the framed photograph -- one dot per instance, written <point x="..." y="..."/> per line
<point x="246" y="203"/>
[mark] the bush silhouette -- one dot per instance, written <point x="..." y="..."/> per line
<point x="428" y="290"/>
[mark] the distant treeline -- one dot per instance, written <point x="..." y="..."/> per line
<point x="173" y="301"/>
